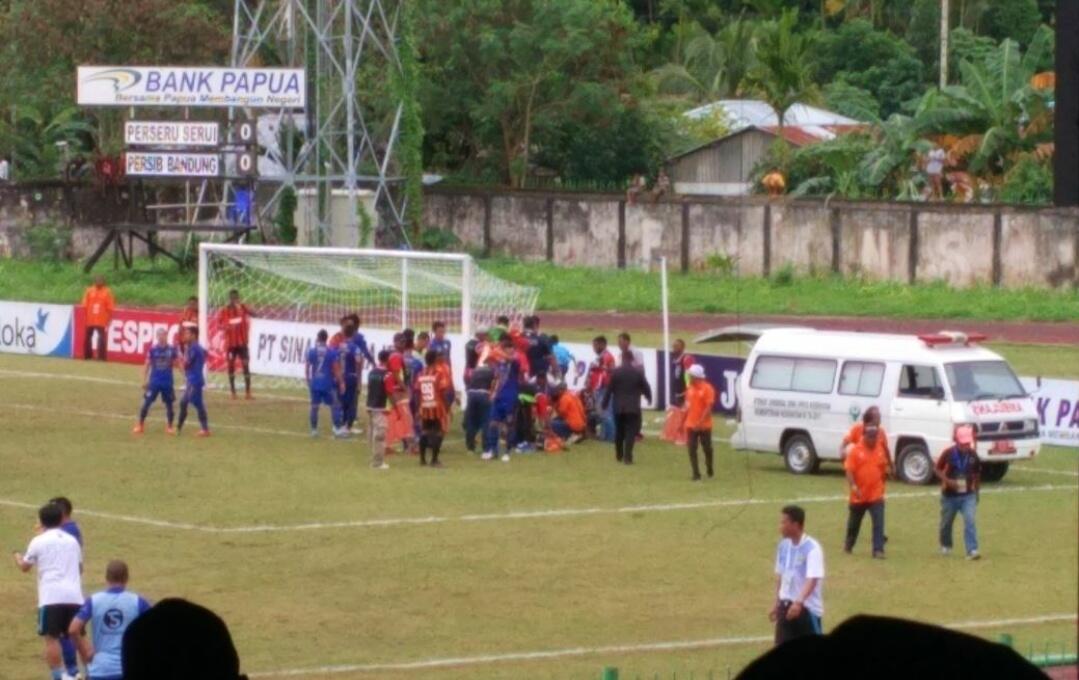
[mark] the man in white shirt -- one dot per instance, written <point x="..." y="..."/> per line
<point x="58" y="559"/>
<point x="5" y="169"/>
<point x="799" y="605"/>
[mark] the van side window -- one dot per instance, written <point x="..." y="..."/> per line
<point x="920" y="382"/>
<point x="793" y="375"/>
<point x="861" y="379"/>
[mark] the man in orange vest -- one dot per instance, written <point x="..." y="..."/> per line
<point x="700" y="397"/>
<point x="98" y="304"/>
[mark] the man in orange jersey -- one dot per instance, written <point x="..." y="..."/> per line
<point x="700" y="397"/>
<point x="570" y="421"/>
<point x="99" y="305"/>
<point x="431" y="386"/>
<point x="867" y="466"/>
<point x="235" y="319"/>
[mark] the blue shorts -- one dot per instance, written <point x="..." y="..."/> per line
<point x="326" y="396"/>
<point x="166" y="392"/>
<point x="504" y="409"/>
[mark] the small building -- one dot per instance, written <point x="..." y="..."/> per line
<point x="724" y="166"/>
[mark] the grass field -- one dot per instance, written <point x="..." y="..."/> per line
<point x="417" y="566"/>
<point x="583" y="288"/>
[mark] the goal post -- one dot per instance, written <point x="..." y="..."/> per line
<point x="293" y="292"/>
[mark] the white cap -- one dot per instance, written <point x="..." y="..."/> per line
<point x="696" y="371"/>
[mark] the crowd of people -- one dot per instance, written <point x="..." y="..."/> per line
<point x="517" y="399"/>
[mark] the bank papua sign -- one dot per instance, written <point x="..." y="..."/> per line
<point x="279" y="88"/>
<point x="28" y="328"/>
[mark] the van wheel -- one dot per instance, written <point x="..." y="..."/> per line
<point x="915" y="465"/>
<point x="800" y="455"/>
<point x="994" y="472"/>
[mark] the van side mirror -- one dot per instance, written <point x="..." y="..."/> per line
<point x="937" y="393"/>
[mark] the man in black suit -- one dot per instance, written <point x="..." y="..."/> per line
<point x="627" y="386"/>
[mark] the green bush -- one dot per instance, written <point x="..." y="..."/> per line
<point x="439" y="239"/>
<point x="1029" y="181"/>
<point x="48" y="242"/>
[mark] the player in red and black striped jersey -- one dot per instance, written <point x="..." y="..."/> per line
<point x="189" y="319"/>
<point x="235" y="319"/>
<point x="431" y="386"/>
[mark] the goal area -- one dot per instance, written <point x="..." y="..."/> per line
<point x="293" y="292"/>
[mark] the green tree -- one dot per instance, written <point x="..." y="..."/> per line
<point x="497" y="70"/>
<point x="851" y="101"/>
<point x="34" y="135"/>
<point x="994" y="105"/>
<point x="923" y="34"/>
<point x="1013" y="19"/>
<point x="710" y="66"/>
<point x="872" y="60"/>
<point x="783" y="74"/>
<point x="626" y="141"/>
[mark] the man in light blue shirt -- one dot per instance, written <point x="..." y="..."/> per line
<point x="109" y="613"/>
<point x="799" y="605"/>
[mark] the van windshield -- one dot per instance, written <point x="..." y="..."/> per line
<point x="981" y="380"/>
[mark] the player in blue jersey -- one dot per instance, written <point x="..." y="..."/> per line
<point x="325" y="380"/>
<point x="504" y="405"/>
<point x="157" y="380"/>
<point x="194" y="369"/>
<point x="352" y="363"/>
<point x="70" y="527"/>
<point x="108" y="614"/>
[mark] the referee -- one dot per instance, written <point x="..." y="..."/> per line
<point x="799" y="606"/>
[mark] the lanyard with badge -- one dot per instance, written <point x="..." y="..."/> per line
<point x="961" y="464"/>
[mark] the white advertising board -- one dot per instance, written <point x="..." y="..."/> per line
<point x="278" y="88"/>
<point x="171" y="133"/>
<point x="583" y="355"/>
<point x="1058" y="409"/>
<point x="30" y="328"/>
<point x="279" y="348"/>
<point x="166" y="164"/>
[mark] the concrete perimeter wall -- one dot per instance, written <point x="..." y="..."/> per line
<point x="962" y="245"/>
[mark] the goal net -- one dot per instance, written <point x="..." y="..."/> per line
<point x="291" y="293"/>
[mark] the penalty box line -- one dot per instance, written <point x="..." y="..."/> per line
<point x="520" y="515"/>
<point x="423" y="664"/>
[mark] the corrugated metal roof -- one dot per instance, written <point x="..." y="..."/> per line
<point x="796" y="135"/>
<point x="743" y="113"/>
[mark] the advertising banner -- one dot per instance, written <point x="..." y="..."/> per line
<point x="279" y="348"/>
<point x="165" y="164"/>
<point x="721" y="372"/>
<point x="1058" y="409"/>
<point x="130" y="333"/>
<point x="30" y="328"/>
<point x="577" y="376"/>
<point x="277" y="88"/>
<point x="171" y="133"/>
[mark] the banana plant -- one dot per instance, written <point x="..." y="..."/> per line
<point x="34" y="136"/>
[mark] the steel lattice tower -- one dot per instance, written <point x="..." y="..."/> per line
<point x="349" y="134"/>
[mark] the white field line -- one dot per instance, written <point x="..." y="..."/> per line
<point x="132" y="418"/>
<point x="1044" y="471"/>
<point x="526" y="514"/>
<point x="422" y="664"/>
<point x="123" y="383"/>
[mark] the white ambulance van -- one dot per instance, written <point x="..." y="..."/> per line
<point x="803" y="389"/>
